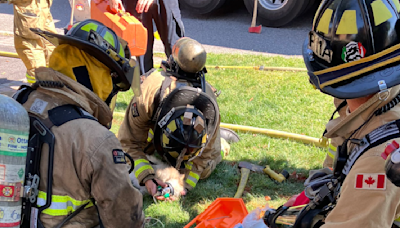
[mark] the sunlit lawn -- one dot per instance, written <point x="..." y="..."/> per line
<point x="278" y="100"/>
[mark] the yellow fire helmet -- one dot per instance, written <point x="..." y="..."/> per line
<point x="93" y="55"/>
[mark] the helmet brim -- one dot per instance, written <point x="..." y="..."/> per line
<point x="356" y="87"/>
<point x="99" y="54"/>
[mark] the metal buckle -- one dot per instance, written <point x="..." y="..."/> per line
<point x="31" y="189"/>
<point x="384" y="92"/>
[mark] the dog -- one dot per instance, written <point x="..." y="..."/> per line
<point x="163" y="172"/>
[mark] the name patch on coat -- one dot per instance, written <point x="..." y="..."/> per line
<point x="38" y="106"/>
<point x="118" y="156"/>
<point x="135" y="112"/>
<point x="371" y="181"/>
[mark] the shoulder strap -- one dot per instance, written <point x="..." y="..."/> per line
<point x="65" y="113"/>
<point x="378" y="136"/>
<point x="159" y="97"/>
<point x="23" y="93"/>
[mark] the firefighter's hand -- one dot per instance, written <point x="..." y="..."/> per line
<point x="171" y="198"/>
<point x="152" y="187"/>
<point x="116" y="5"/>
<point x="143" y="5"/>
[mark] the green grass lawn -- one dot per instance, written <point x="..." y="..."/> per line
<point x="276" y="100"/>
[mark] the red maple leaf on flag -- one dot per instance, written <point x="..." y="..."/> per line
<point x="370" y="181"/>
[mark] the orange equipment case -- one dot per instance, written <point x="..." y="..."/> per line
<point x="124" y="25"/>
<point x="222" y="213"/>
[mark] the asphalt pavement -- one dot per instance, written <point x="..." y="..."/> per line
<point x="219" y="33"/>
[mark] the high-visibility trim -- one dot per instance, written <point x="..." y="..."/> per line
<point x="174" y="154"/>
<point x="192" y="179"/>
<point x="89" y="26"/>
<point x="109" y="38"/>
<point x="141" y="165"/>
<point x="121" y="51"/>
<point x="165" y="140"/>
<point x="150" y="135"/>
<point x="331" y="151"/>
<point x="188" y="165"/>
<point x="172" y="126"/>
<point x="323" y="24"/>
<point x="30" y="79"/>
<point x="348" y="23"/>
<point x="61" y="205"/>
<point x="397" y="220"/>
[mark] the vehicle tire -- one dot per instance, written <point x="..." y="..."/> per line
<point x="202" y="6"/>
<point x="312" y="6"/>
<point x="276" y="14"/>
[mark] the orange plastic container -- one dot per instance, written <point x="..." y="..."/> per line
<point x="222" y="213"/>
<point x="124" y="25"/>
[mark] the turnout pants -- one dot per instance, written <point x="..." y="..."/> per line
<point x="33" y="50"/>
<point x="167" y="18"/>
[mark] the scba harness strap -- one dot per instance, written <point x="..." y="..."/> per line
<point x="40" y="133"/>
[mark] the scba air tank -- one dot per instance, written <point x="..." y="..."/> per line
<point x="14" y="133"/>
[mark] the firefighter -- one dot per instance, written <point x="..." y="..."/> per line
<point x="74" y="99"/>
<point x="176" y="116"/>
<point x="350" y="54"/>
<point x="32" y="49"/>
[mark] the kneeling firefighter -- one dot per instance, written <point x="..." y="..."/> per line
<point x="176" y="115"/>
<point x="352" y="54"/>
<point x="76" y="172"/>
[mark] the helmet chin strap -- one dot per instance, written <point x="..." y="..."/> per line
<point x="180" y="158"/>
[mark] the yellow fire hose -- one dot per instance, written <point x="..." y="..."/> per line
<point x="296" y="69"/>
<point x="9" y="54"/>
<point x="272" y="133"/>
<point x="278" y="134"/>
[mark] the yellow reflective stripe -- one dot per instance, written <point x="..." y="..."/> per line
<point x="30" y="79"/>
<point x="61" y="205"/>
<point x="174" y="154"/>
<point x="397" y="220"/>
<point x="172" y="126"/>
<point x="204" y="139"/>
<point x="165" y="140"/>
<point x="89" y="26"/>
<point x="150" y="135"/>
<point x="192" y="179"/>
<point x="331" y="151"/>
<point x="191" y="183"/>
<point x="141" y="165"/>
<point x="121" y="51"/>
<point x="188" y="165"/>
<point x="195" y="175"/>
<point x="110" y="38"/>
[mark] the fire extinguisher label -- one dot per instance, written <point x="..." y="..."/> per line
<point x="10" y="216"/>
<point x="12" y="173"/>
<point x="13" y="143"/>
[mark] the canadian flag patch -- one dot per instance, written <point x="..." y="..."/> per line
<point x="373" y="181"/>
